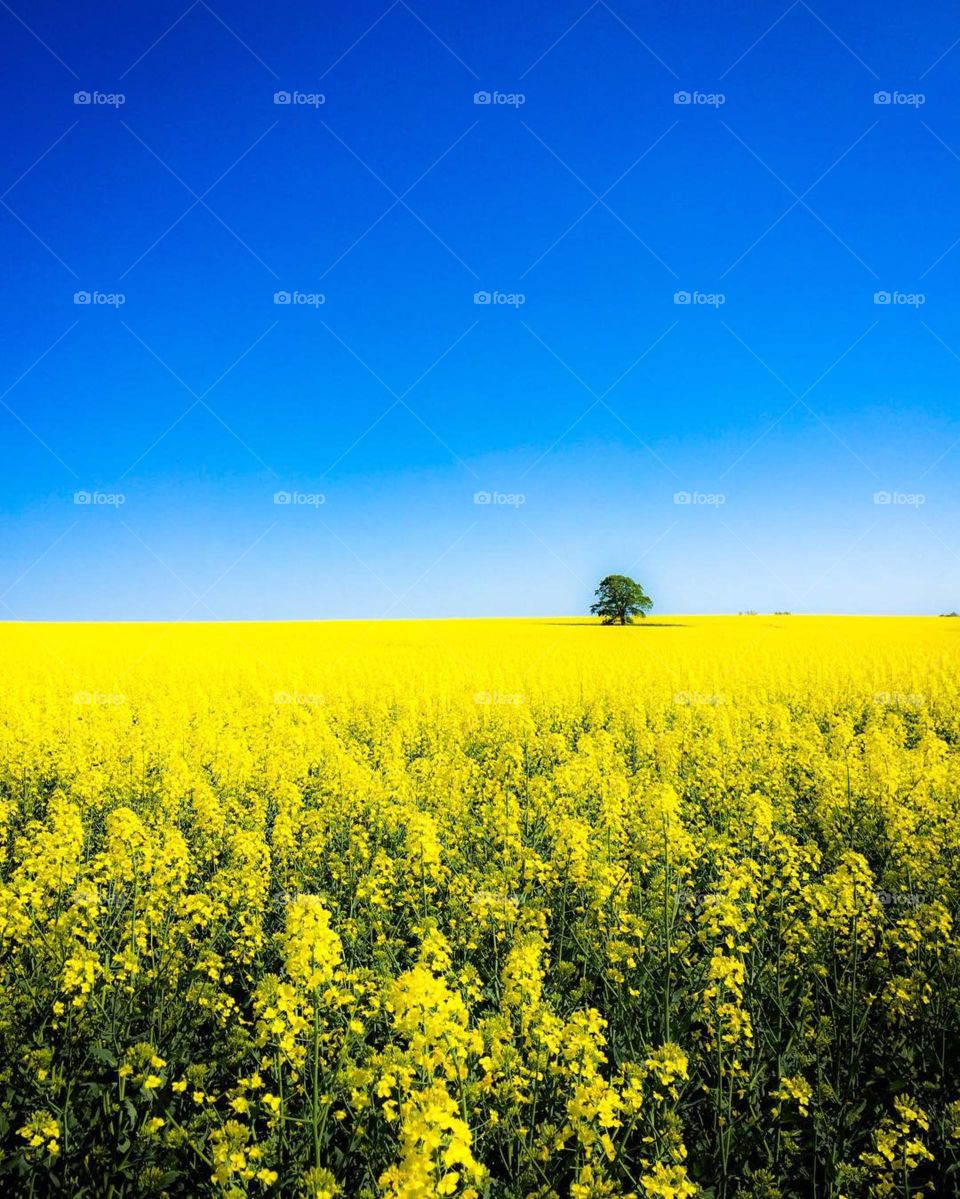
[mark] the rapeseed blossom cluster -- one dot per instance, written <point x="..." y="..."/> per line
<point x="400" y="944"/>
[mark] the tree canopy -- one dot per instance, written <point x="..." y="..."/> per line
<point x="620" y="599"/>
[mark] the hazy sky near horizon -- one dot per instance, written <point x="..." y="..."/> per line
<point x="675" y="289"/>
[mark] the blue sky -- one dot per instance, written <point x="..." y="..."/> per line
<point x="737" y="155"/>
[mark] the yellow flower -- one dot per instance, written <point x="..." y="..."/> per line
<point x="313" y="949"/>
<point x="669" y="1064"/>
<point x="797" y="1089"/>
<point x="668" y="1182"/>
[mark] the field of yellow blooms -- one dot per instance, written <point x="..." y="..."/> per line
<point x="481" y="909"/>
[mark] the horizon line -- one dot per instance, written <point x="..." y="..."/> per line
<point x="652" y="619"/>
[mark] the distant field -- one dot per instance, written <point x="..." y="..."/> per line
<point x="481" y="908"/>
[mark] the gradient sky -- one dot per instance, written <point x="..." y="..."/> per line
<point x="597" y="400"/>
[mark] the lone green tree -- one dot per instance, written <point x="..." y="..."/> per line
<point x="620" y="599"/>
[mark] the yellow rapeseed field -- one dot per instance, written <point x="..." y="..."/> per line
<point x="481" y="908"/>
